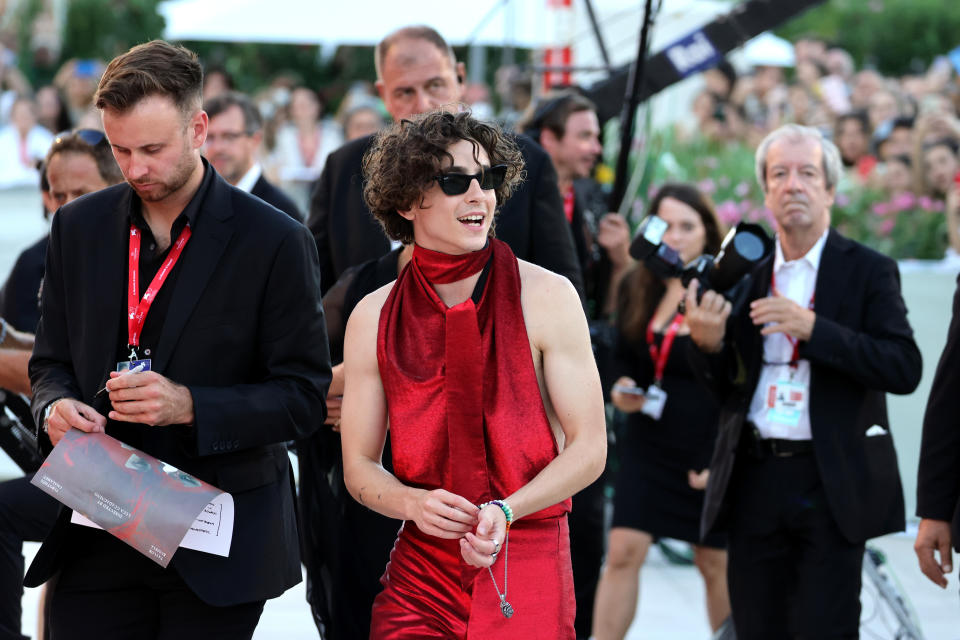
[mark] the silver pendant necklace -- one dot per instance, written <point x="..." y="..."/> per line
<point x="505" y="607"/>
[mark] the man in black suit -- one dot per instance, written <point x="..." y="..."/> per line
<point x="233" y="146"/>
<point x="804" y="470"/>
<point x="938" y="475"/>
<point x="224" y="311"/>
<point x="417" y="72"/>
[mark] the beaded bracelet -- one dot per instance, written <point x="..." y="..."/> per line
<point x="507" y="511"/>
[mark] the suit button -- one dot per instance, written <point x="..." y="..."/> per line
<point x="215" y="446"/>
<point x="236" y="444"/>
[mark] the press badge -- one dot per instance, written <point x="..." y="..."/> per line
<point x="656" y="398"/>
<point x="786" y="401"/>
<point x="126" y="365"/>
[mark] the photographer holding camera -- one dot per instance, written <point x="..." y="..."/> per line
<point x="669" y="428"/>
<point x="804" y="470"/>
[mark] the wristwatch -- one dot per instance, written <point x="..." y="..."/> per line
<point x="46" y="413"/>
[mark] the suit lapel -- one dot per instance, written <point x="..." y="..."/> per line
<point x="110" y="278"/>
<point x="760" y="288"/>
<point x="207" y="243"/>
<point x="831" y="276"/>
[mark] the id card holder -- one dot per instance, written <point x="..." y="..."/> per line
<point x="656" y="399"/>
<point x="126" y="365"/>
<point x="786" y="401"/>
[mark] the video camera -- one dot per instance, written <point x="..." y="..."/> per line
<point x="745" y="246"/>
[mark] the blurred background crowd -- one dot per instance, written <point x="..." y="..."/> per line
<point x="891" y="108"/>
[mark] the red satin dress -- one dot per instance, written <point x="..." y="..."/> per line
<point x="466" y="415"/>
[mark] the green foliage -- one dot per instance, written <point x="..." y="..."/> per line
<point x="894" y="36"/>
<point x="105" y="28"/>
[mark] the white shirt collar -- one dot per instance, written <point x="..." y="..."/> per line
<point x="250" y="178"/>
<point x="812" y="257"/>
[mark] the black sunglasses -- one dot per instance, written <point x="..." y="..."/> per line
<point x="455" y="184"/>
<point x="92" y="137"/>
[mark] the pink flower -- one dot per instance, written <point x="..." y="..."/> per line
<point x="742" y="189"/>
<point x="723" y="181"/>
<point x="707" y="186"/>
<point x="904" y="201"/>
<point x="926" y="203"/>
<point x="842" y="200"/>
<point x="886" y="226"/>
<point x="882" y="208"/>
<point x="728" y="212"/>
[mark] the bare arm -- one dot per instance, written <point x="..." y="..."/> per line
<point x="363" y="431"/>
<point x="13" y="370"/>
<point x="556" y="324"/>
<point x="13" y="339"/>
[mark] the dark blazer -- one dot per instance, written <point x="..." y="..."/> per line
<point x="347" y="234"/>
<point x="270" y="194"/>
<point x="938" y="476"/>
<point x="19" y="304"/>
<point x="861" y="348"/>
<point x="244" y="331"/>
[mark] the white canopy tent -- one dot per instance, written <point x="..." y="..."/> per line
<point x="497" y="23"/>
<point x="358" y="22"/>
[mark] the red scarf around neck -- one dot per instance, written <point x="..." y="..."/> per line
<point x="462" y="394"/>
<point x="445" y="268"/>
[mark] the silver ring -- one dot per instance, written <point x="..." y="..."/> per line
<point x="494" y="554"/>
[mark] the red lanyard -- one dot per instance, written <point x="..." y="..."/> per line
<point x="568" y="198"/>
<point x="136" y="308"/>
<point x="660" y="355"/>
<point x="795" y="358"/>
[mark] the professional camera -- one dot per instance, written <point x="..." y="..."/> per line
<point x="745" y="246"/>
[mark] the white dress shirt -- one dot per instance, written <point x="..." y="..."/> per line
<point x="795" y="280"/>
<point x="250" y="178"/>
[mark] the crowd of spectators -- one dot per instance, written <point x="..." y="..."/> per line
<point x="898" y="135"/>
<point x="300" y="128"/>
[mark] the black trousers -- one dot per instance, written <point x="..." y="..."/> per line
<point x="586" y="550"/>
<point x="106" y="589"/>
<point x="26" y="514"/>
<point x="791" y="572"/>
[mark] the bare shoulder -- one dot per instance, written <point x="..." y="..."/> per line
<point x="550" y="304"/>
<point x="366" y="315"/>
<point x="545" y="291"/>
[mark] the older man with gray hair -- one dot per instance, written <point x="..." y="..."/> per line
<point x="804" y="470"/>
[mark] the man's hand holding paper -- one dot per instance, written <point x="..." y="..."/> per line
<point x="66" y="413"/>
<point x="149" y="398"/>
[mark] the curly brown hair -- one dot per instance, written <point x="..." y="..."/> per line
<point x="406" y="157"/>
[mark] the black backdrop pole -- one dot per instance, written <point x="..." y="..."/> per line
<point x="629" y="113"/>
